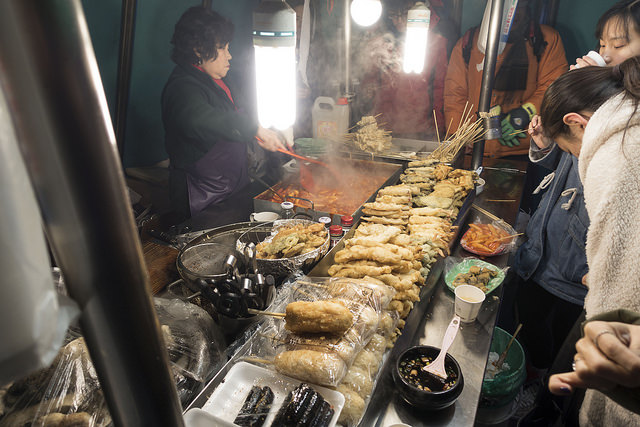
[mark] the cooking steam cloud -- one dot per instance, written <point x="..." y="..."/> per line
<point x="376" y="70"/>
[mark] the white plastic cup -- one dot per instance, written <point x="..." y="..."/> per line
<point x="596" y="57"/>
<point x="468" y="302"/>
<point x="263" y="216"/>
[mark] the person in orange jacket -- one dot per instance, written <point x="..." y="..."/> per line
<point x="532" y="59"/>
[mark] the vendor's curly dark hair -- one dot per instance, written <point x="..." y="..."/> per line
<point x="200" y="30"/>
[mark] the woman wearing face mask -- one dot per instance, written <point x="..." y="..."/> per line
<point x="618" y="30"/>
<point x="594" y="113"/>
<point x="206" y="133"/>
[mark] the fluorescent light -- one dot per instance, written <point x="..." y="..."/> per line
<point x="415" y="45"/>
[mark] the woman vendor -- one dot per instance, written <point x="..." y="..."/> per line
<point x="206" y="132"/>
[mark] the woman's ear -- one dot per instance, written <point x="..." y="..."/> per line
<point x="575" y="119"/>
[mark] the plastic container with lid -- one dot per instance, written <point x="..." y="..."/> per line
<point x="335" y="232"/>
<point x="330" y="118"/>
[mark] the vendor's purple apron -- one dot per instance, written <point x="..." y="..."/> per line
<point x="217" y="175"/>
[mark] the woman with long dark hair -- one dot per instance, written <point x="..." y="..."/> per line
<point x="593" y="113"/>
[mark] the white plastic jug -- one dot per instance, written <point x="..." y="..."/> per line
<point x="330" y="118"/>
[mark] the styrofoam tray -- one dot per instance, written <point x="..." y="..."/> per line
<point x="227" y="399"/>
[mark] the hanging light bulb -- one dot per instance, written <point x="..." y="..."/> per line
<point x="366" y="12"/>
<point x="415" y="45"/>
<point x="274" y="41"/>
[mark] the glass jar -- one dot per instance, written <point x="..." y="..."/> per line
<point x="326" y="221"/>
<point x="287" y="210"/>
<point x="346" y="221"/>
<point x="335" y="233"/>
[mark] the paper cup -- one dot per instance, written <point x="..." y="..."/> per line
<point x="596" y="57"/>
<point x="468" y="302"/>
<point x="263" y="216"/>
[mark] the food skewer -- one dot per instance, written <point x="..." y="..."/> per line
<point x="435" y="122"/>
<point x="506" y="237"/>
<point x="486" y="212"/>
<point x="266" y="313"/>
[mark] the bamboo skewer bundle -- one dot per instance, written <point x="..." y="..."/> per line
<point x="468" y="132"/>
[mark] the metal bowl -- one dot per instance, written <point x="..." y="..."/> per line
<point x="282" y="267"/>
<point x="203" y="261"/>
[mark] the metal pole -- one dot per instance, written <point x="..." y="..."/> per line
<point x="488" y="75"/>
<point x="125" y="55"/>
<point x="347" y="48"/>
<point x="456" y="14"/>
<point x="50" y="75"/>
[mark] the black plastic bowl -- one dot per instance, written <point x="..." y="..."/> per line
<point x="422" y="399"/>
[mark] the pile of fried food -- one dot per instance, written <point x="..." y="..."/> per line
<point x="485" y="239"/>
<point x="377" y="277"/>
<point x="398" y="243"/>
<point x="476" y="276"/>
<point x="369" y="137"/>
<point x="292" y="241"/>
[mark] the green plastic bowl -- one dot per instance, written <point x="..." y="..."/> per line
<point x="504" y="387"/>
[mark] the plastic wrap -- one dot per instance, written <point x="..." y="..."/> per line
<point x="68" y="391"/>
<point x="282" y="267"/>
<point x="358" y="383"/>
<point x="323" y="357"/>
<point x="194" y="343"/>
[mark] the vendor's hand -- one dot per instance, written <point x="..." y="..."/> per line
<point x="303" y="91"/>
<point x="270" y="140"/>
<point x="537" y="133"/>
<point x="608" y="355"/>
<point x="585" y="61"/>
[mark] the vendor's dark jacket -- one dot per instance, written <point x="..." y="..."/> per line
<point x="205" y="137"/>
<point x="554" y="255"/>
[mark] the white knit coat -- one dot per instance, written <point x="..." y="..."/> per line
<point x="609" y="167"/>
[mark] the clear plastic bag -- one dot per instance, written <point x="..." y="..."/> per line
<point x="489" y="239"/>
<point x="68" y="390"/>
<point x="472" y="271"/>
<point x="322" y="357"/>
<point x="194" y="342"/>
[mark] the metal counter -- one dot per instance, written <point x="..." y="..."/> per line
<point x="430" y="317"/>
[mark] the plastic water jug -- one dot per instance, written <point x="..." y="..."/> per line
<point x="330" y="118"/>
